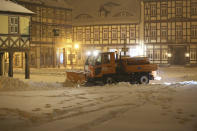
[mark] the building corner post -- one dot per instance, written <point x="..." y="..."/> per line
<point x="27" y="68"/>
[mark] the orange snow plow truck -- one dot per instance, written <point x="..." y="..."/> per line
<point x="107" y="68"/>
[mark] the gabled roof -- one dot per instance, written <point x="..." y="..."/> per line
<point x="11" y="7"/>
<point x="49" y="3"/>
<point x="105" y="12"/>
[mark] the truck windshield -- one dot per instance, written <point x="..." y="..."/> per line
<point x="93" y="60"/>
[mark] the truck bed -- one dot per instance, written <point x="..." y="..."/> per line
<point x="140" y="68"/>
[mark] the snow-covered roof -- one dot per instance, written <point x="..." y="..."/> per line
<point x="11" y="7"/>
<point x="93" y="12"/>
<point x="51" y="3"/>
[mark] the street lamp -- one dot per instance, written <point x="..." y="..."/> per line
<point x="76" y="46"/>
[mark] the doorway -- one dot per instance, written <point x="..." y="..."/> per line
<point x="178" y="57"/>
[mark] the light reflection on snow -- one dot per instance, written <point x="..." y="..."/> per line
<point x="158" y="78"/>
<point x="167" y="83"/>
<point x="188" y="82"/>
<point x="182" y="83"/>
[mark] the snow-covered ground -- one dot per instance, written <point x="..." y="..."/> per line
<point x="44" y="104"/>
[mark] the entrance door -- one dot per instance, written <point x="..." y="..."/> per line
<point x="179" y="55"/>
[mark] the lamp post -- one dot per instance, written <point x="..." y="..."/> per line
<point x="55" y="34"/>
<point x="76" y="47"/>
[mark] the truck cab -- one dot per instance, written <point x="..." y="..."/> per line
<point x="100" y="65"/>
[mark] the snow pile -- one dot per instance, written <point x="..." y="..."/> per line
<point x="44" y="85"/>
<point x="14" y="84"/>
<point x="7" y="83"/>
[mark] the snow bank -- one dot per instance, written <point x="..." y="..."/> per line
<point x="14" y="84"/>
<point x="7" y="83"/>
<point x="188" y="83"/>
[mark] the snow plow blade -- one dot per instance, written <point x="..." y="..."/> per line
<point x="77" y="77"/>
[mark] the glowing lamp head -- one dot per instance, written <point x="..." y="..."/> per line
<point x="95" y="53"/>
<point x="169" y="55"/>
<point x="186" y="54"/>
<point x="76" y="46"/>
<point x="88" y="53"/>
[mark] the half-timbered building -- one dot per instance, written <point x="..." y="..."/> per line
<point x="170" y="31"/>
<point x="14" y="35"/>
<point x="106" y="26"/>
<point x="51" y="28"/>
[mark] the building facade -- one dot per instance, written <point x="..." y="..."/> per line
<point x="51" y="28"/>
<point x="14" y="36"/>
<point x="170" y="32"/>
<point x="106" y="26"/>
<point x="163" y="30"/>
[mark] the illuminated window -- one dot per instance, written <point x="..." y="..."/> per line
<point x="79" y="35"/>
<point x="17" y="59"/>
<point x="194" y="31"/>
<point x="105" y="34"/>
<point x="132" y="33"/>
<point x="13" y="24"/>
<point x="123" y="32"/>
<point x="192" y="54"/>
<point x="87" y="34"/>
<point x="96" y="34"/>
<point x="114" y="34"/>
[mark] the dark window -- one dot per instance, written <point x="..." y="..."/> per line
<point x="132" y="33"/>
<point x="13" y="24"/>
<point x="105" y="34"/>
<point x="164" y="32"/>
<point x="179" y="9"/>
<point x="87" y="34"/>
<point x="123" y="32"/>
<point x="153" y="33"/>
<point x="164" y="10"/>
<point x="194" y="31"/>
<point x="79" y="35"/>
<point x="179" y="32"/>
<point x="153" y="10"/>
<point x="194" y="9"/>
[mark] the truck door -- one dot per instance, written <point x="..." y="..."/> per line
<point x="98" y="66"/>
<point x="108" y="63"/>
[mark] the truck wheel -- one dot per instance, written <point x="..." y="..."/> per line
<point x="134" y="82"/>
<point x="144" y="80"/>
<point x="109" y="80"/>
